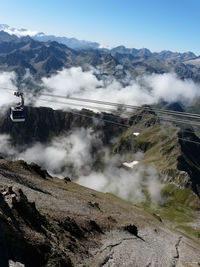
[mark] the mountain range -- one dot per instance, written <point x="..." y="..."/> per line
<point x="42" y="57"/>
<point x="42" y="37"/>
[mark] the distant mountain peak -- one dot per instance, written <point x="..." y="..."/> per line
<point x="77" y="44"/>
<point x="40" y="36"/>
<point x="18" y="32"/>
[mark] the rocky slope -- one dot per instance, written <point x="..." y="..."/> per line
<point x="165" y="145"/>
<point x="50" y="222"/>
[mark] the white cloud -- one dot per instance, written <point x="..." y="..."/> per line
<point x="127" y="184"/>
<point x="6" y="148"/>
<point x="71" y="81"/>
<point x="104" y="46"/>
<point x="73" y="155"/>
<point x="146" y="89"/>
<point x="170" y="88"/>
<point x="65" y="155"/>
<point x="7" y="83"/>
<point x="18" y="32"/>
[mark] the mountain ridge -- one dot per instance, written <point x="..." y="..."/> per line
<point x="40" y="36"/>
<point x="75" y="43"/>
<point x="45" y="58"/>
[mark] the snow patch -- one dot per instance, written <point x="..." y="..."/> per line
<point x="103" y="46"/>
<point x="131" y="164"/>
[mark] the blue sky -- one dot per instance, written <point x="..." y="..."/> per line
<point x="155" y="24"/>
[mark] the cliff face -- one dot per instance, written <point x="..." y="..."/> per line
<point x="50" y="222"/>
<point x="190" y="160"/>
<point x="44" y="123"/>
<point x="164" y="145"/>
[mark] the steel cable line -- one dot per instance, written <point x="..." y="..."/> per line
<point x="121" y="105"/>
<point x="192" y="123"/>
<point x="113" y="104"/>
<point x="115" y="123"/>
<point x="9" y="89"/>
<point x="190" y="141"/>
<point x="73" y="104"/>
<point x="188" y="122"/>
<point x="100" y="108"/>
<point x="77" y="105"/>
<point x="168" y="112"/>
<point x="92" y="117"/>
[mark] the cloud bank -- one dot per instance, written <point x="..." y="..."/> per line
<point x="65" y="155"/>
<point x="74" y="82"/>
<point x="81" y="156"/>
<point x="127" y="184"/>
<point x="146" y="89"/>
<point x="7" y="82"/>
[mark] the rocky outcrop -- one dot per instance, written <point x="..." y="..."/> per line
<point x="23" y="227"/>
<point x="51" y="222"/>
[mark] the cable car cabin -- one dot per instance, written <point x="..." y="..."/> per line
<point x="17" y="114"/>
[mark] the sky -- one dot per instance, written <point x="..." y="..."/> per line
<point x="154" y="24"/>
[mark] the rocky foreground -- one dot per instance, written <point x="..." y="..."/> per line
<point x="45" y="221"/>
